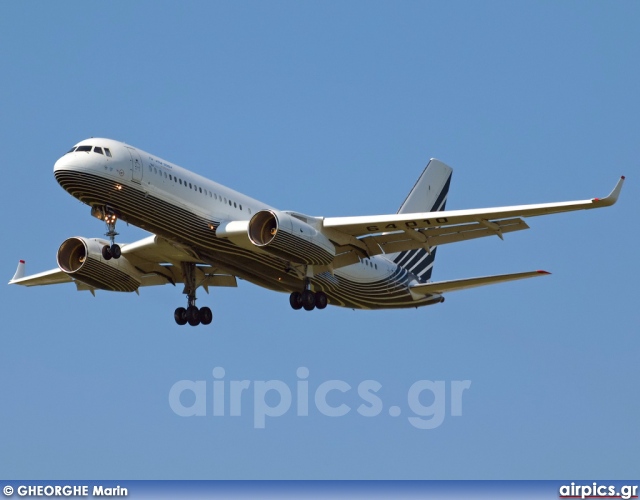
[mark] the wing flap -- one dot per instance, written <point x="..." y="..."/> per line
<point x="401" y="241"/>
<point x="463" y="284"/>
<point x="206" y="276"/>
<point x="221" y="280"/>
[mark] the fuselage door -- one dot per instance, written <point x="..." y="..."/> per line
<point x="136" y="165"/>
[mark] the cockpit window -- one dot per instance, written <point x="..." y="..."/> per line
<point x="97" y="150"/>
<point x="71" y="150"/>
<point x="107" y="152"/>
<point x="83" y="148"/>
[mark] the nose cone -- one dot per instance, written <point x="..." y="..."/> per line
<point x="66" y="169"/>
<point x="69" y="161"/>
<point x="60" y="164"/>
<point x="79" y="159"/>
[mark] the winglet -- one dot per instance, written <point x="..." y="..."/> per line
<point x="19" y="272"/>
<point x="613" y="196"/>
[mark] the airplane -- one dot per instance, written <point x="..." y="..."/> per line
<point x="207" y="235"/>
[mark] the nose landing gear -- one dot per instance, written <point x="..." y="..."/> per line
<point x="110" y="217"/>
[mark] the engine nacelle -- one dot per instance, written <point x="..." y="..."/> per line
<point x="81" y="258"/>
<point x="290" y="238"/>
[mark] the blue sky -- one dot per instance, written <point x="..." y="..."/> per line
<point x="331" y="108"/>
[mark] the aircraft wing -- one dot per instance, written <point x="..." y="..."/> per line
<point x="156" y="262"/>
<point x="372" y="235"/>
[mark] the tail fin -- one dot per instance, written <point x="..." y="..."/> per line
<point x="428" y="195"/>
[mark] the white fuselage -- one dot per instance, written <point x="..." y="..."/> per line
<point x="186" y="208"/>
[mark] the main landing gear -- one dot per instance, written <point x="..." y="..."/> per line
<point x="308" y="299"/>
<point x="109" y="216"/>
<point x="191" y="314"/>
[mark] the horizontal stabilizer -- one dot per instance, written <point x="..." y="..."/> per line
<point x="453" y="285"/>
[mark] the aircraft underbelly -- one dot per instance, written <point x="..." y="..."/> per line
<point x="177" y="223"/>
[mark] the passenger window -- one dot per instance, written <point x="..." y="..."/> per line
<point x="229" y="202"/>
<point x="165" y="175"/>
<point x="84" y="148"/>
<point x="200" y="189"/>
<point x="107" y="152"/>
<point x="97" y="150"/>
<point x="170" y="178"/>
<point x="234" y="204"/>
<point x="240" y="207"/>
<point x="181" y="182"/>
<point x="190" y="186"/>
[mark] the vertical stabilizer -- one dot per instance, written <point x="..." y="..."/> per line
<point x="428" y="195"/>
<point x="430" y="191"/>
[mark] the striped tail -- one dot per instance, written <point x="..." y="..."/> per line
<point x="428" y="195"/>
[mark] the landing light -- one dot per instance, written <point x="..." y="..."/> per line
<point x="118" y="187"/>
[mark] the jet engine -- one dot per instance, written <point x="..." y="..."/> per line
<point x="81" y="258"/>
<point x="289" y="237"/>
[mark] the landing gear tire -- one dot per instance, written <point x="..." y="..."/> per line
<point x="308" y="300"/>
<point x="321" y="300"/>
<point x="295" y="299"/>
<point x="193" y="316"/>
<point x="206" y="316"/>
<point x="180" y="316"/>
<point x="106" y="252"/>
<point x="116" y="252"/>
